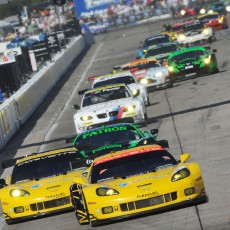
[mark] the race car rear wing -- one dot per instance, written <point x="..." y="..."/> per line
<point x="10" y="162"/>
<point x="81" y="92"/>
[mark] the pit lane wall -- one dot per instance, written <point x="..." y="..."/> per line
<point x="15" y="110"/>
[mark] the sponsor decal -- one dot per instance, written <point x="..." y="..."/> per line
<point x="150" y="194"/>
<point x="127" y="154"/>
<point x="123" y="184"/>
<point x="56" y="196"/>
<point x="35" y="186"/>
<point x="102" y="131"/>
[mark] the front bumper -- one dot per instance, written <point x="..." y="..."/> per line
<point x="194" y="40"/>
<point x="199" y="200"/>
<point x="189" y="73"/>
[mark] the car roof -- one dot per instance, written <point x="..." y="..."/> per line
<point x="108" y="126"/>
<point x="143" y="60"/>
<point x="187" y="50"/>
<point x="183" y="23"/>
<point x="126" y="152"/>
<point x="113" y="75"/>
<point x="104" y="87"/>
<point x="162" y="45"/>
<point x="156" y="36"/>
<point x="207" y="14"/>
<point x="46" y="153"/>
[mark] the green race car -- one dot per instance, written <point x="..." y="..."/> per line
<point x="110" y="138"/>
<point x="192" y="61"/>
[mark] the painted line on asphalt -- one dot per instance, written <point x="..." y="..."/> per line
<point x="67" y="104"/>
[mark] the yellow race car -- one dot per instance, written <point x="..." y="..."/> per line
<point x="133" y="182"/>
<point x="39" y="184"/>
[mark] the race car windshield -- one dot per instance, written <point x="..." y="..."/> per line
<point x="193" y="27"/>
<point x="137" y="164"/>
<point x="141" y="66"/>
<point x="118" y="80"/>
<point x="187" y="55"/>
<point x="105" y="95"/>
<point x="44" y="167"/>
<point x="157" y="40"/>
<point x="161" y="50"/>
<point x="209" y="17"/>
<point x="107" y="137"/>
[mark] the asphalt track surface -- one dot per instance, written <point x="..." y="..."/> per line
<point x="194" y="116"/>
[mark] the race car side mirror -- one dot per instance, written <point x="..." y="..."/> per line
<point x="154" y="131"/>
<point x="2" y="183"/>
<point x="214" y="50"/>
<point x="184" y="157"/>
<point x="77" y="107"/>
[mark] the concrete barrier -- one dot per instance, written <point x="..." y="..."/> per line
<point x="15" y="110"/>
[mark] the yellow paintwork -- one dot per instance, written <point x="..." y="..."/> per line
<point x="172" y="35"/>
<point x="43" y="190"/>
<point x="136" y="189"/>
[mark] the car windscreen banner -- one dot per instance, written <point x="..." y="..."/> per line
<point x="101" y="14"/>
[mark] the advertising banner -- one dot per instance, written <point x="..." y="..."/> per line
<point x="102" y="15"/>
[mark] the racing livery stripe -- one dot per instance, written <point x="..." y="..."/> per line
<point x="127" y="154"/>
<point x="121" y="110"/>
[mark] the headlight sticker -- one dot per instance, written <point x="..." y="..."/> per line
<point x="178" y="169"/>
<point x="35" y="186"/>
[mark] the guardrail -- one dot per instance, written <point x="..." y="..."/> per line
<point x="15" y="110"/>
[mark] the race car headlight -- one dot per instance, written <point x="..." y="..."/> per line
<point x="202" y="11"/>
<point x="130" y="108"/>
<point x="19" y="193"/>
<point x="136" y="92"/>
<point x="207" y="60"/>
<point x="159" y="74"/>
<point x="181" y="37"/>
<point x="182" y="12"/>
<point x="170" y="68"/>
<point x="206" y="31"/>
<point x="106" y="192"/>
<point x="210" y="11"/>
<point x="228" y="8"/>
<point x="181" y="174"/>
<point x="220" y="20"/>
<point x="144" y="81"/>
<point x="86" y="118"/>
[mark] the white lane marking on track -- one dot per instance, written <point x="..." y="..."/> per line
<point x="2" y="221"/>
<point x="50" y="131"/>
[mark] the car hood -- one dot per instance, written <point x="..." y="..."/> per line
<point x="107" y="106"/>
<point x="144" y="181"/>
<point x="51" y="184"/>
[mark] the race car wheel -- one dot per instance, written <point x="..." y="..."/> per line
<point x="79" y="204"/>
<point x="170" y="84"/>
<point x="147" y="102"/>
<point x="10" y="221"/>
<point x="212" y="39"/>
<point x="146" y="118"/>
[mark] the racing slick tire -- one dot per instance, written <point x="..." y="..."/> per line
<point x="79" y="204"/>
<point x="148" y="102"/>
<point x="170" y="84"/>
<point x="212" y="39"/>
<point x="146" y="118"/>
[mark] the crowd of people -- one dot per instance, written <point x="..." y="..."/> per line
<point x="44" y="20"/>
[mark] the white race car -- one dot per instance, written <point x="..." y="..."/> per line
<point x="148" y="72"/>
<point x="195" y="33"/>
<point x="109" y="105"/>
<point x="125" y="77"/>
